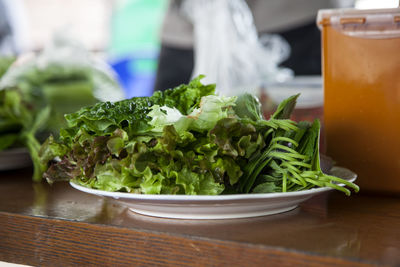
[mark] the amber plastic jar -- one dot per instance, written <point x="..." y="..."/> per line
<point x="361" y="76"/>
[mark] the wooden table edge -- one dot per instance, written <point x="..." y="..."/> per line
<point x="41" y="241"/>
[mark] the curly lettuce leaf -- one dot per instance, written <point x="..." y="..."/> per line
<point x="149" y="165"/>
<point x="186" y="97"/>
<point x="212" y="109"/>
<point x="163" y="116"/>
<point x="235" y="138"/>
<point x="106" y="117"/>
<point x="132" y="115"/>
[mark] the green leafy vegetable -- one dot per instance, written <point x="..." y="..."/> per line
<point x="188" y="140"/>
<point x="5" y="63"/>
<point x="247" y="106"/>
<point x="36" y="92"/>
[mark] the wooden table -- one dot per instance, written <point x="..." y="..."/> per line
<point x="44" y="225"/>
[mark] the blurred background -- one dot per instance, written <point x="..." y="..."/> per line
<point x="58" y="56"/>
<point x="126" y="33"/>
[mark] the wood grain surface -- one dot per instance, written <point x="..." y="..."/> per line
<point x="42" y="225"/>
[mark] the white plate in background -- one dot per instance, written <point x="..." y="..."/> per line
<point x="310" y="89"/>
<point x="15" y="158"/>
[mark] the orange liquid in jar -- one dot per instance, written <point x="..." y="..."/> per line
<point x="362" y="107"/>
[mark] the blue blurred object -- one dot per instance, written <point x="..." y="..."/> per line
<point x="136" y="73"/>
<point x="134" y="43"/>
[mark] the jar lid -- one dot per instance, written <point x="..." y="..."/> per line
<point x="364" y="23"/>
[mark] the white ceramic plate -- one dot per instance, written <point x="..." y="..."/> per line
<point x="15" y="158"/>
<point x="216" y="207"/>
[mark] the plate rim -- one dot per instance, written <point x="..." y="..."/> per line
<point x="15" y="159"/>
<point x="165" y="197"/>
<point x="14" y="151"/>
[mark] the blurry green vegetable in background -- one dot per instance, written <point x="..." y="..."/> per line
<point x="5" y="63"/>
<point x="37" y="90"/>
